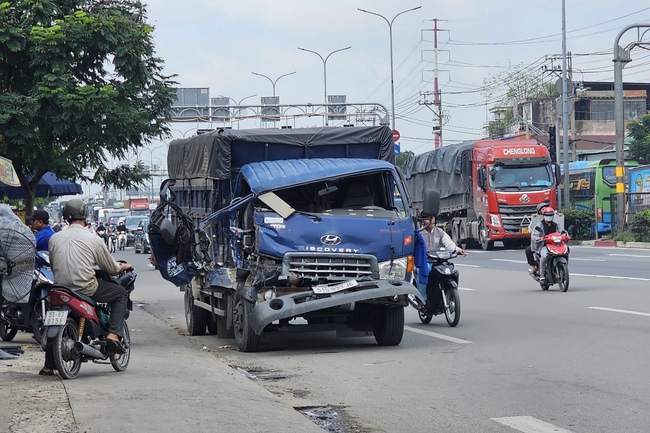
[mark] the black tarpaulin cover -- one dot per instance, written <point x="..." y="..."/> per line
<point x="220" y="154"/>
<point x="441" y="169"/>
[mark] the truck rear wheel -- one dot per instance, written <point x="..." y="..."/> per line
<point x="247" y="340"/>
<point x="196" y="318"/>
<point x="388" y="325"/>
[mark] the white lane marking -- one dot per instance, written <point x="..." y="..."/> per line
<point x="614" y="310"/>
<point x="629" y="255"/>
<point x="436" y="335"/>
<point x="464" y="288"/>
<point x="528" y="424"/>
<point x="460" y="265"/>
<point x="509" y="260"/>
<point x="614" y="277"/>
<point x="587" y="260"/>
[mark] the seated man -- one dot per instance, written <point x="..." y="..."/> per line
<point x="73" y="254"/>
<point x="434" y="238"/>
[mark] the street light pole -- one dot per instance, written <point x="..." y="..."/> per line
<point x="272" y="82"/>
<point x="324" y="60"/>
<point x="390" y="32"/>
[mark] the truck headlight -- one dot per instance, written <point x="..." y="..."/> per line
<point x="494" y="220"/>
<point x="395" y="272"/>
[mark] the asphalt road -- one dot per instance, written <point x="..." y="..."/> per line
<point x="521" y="359"/>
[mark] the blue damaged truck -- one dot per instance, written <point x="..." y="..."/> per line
<point x="291" y="229"/>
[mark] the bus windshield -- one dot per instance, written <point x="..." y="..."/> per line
<point x="507" y="177"/>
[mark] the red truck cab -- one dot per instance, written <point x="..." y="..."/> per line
<point x="512" y="178"/>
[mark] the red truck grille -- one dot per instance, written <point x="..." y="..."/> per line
<point x="512" y="216"/>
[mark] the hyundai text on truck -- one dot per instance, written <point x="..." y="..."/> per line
<point x="488" y="189"/>
<point x="296" y="229"/>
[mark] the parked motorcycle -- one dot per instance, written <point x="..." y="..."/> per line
<point x="26" y="316"/>
<point x="445" y="274"/>
<point x="557" y="262"/>
<point x="79" y="326"/>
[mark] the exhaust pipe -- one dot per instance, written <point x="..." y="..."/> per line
<point x="84" y="349"/>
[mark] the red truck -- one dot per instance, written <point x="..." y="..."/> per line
<point x="137" y="206"/>
<point x="489" y="189"/>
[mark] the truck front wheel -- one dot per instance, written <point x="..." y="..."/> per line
<point x="247" y="340"/>
<point x="388" y="325"/>
<point x="484" y="234"/>
<point x="196" y="318"/>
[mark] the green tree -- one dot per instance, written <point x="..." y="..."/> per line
<point x="639" y="134"/>
<point x="402" y="157"/>
<point x="79" y="83"/>
<point x="510" y="87"/>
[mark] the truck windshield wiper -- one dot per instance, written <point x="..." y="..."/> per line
<point x="316" y="217"/>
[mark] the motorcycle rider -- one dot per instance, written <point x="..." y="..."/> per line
<point x="543" y="228"/>
<point x="121" y="233"/>
<point x="433" y="238"/>
<point x="102" y="233"/>
<point x="73" y="253"/>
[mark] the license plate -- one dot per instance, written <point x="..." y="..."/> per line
<point x="54" y="318"/>
<point x="525" y="230"/>
<point x="326" y="289"/>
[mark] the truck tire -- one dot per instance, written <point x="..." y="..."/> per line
<point x="388" y="325"/>
<point x="196" y="318"/>
<point x="484" y="238"/>
<point x="247" y="340"/>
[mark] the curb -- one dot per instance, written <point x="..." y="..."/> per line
<point x="611" y="243"/>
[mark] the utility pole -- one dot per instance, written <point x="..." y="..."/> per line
<point x="565" y="110"/>
<point x="437" y="100"/>
<point x="621" y="58"/>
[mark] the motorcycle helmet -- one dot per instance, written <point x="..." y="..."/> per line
<point x="548" y="213"/>
<point x="75" y="209"/>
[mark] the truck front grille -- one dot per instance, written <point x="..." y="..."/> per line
<point x="515" y="217"/>
<point x="329" y="266"/>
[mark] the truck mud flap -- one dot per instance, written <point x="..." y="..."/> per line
<point x="297" y="304"/>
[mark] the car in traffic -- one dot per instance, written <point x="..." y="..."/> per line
<point x="141" y="238"/>
<point x="131" y="223"/>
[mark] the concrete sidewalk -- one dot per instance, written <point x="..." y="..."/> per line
<point x="171" y="385"/>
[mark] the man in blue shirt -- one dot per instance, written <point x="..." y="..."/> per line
<point x="41" y="223"/>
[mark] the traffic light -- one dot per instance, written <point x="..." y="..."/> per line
<point x="552" y="144"/>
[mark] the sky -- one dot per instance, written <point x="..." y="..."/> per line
<point x="218" y="44"/>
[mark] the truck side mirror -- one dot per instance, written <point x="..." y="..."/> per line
<point x="431" y="202"/>
<point x="481" y="178"/>
<point x="558" y="174"/>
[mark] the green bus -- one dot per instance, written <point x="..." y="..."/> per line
<point x="595" y="181"/>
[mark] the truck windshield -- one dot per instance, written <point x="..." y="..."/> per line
<point x="504" y="177"/>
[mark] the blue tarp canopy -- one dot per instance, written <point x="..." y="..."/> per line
<point x="269" y="175"/>
<point x="48" y="186"/>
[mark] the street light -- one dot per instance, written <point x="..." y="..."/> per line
<point x="272" y="82"/>
<point x="151" y="163"/>
<point x="390" y="29"/>
<point x="325" y="69"/>
<point x="241" y="100"/>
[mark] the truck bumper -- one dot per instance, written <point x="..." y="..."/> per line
<point x="297" y="304"/>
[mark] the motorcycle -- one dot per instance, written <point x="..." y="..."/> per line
<point x="557" y="262"/>
<point x="445" y="274"/>
<point x="78" y="327"/>
<point x="112" y="242"/>
<point x="121" y="241"/>
<point x="26" y="316"/>
<point x="102" y="234"/>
